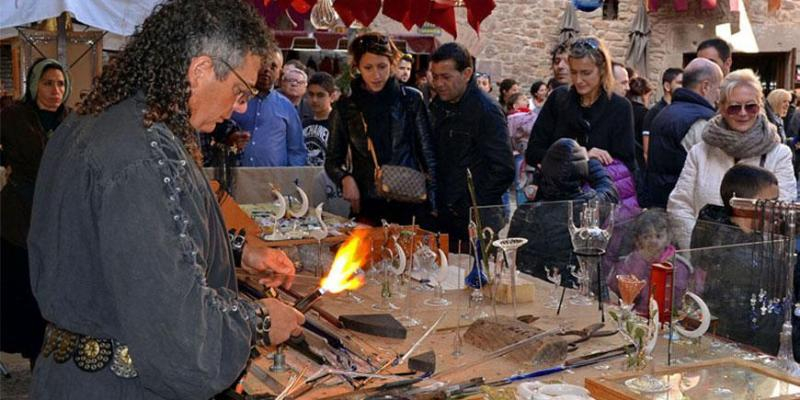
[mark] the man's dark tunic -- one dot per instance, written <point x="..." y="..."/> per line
<point x="127" y="242"/>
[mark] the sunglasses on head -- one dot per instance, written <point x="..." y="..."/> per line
<point x="374" y="44"/>
<point x="749" y="108"/>
<point x="586" y="44"/>
<point x="483" y="75"/>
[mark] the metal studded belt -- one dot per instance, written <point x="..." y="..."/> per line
<point x="89" y="353"/>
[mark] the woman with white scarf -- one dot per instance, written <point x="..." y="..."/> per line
<point x="740" y="133"/>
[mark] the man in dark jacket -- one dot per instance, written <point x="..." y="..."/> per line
<point x="472" y="133"/>
<point x="671" y="80"/>
<point x="678" y="127"/>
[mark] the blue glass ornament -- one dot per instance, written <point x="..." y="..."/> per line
<point x="477" y="278"/>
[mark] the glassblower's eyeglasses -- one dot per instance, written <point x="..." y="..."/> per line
<point x="244" y="96"/>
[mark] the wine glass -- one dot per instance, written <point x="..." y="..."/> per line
<point x="387" y="258"/>
<point x="554" y="276"/>
<point x="439" y="275"/>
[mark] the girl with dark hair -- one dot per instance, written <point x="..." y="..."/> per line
<point x="27" y="125"/>
<point x="394" y="119"/>
<point x="507" y="88"/>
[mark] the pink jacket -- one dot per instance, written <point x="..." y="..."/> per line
<point x="519" y="129"/>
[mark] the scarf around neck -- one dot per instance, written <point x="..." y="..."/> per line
<point x="758" y="140"/>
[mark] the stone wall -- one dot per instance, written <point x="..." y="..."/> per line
<point x="515" y="40"/>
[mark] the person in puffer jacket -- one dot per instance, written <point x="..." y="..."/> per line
<point x="565" y="169"/>
<point x="625" y="183"/>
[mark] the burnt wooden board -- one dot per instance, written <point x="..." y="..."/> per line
<point x="491" y="334"/>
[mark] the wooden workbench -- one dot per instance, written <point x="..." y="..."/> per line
<point x="442" y="341"/>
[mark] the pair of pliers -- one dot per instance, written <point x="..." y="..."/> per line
<point x="590" y="331"/>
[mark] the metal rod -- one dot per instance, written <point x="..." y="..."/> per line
<point x="304" y="304"/>
<point x="421" y="339"/>
<point x="30" y="42"/>
<point x="92" y="44"/>
<point x="743" y="203"/>
<point x="322" y="313"/>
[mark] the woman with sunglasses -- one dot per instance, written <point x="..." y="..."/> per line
<point x="394" y="117"/>
<point x="739" y="134"/>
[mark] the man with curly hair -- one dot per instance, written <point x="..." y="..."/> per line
<point x="129" y="257"/>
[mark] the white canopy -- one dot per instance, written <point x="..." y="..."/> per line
<point x="117" y="16"/>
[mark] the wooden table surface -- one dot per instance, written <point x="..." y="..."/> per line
<point x="442" y="341"/>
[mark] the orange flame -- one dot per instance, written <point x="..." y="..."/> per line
<point x="350" y="257"/>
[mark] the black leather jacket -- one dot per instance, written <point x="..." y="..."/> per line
<point x="399" y="125"/>
<point x="472" y="133"/>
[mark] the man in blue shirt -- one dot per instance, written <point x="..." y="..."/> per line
<point x="274" y="125"/>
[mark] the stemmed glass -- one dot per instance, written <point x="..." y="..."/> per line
<point x="584" y="297"/>
<point x="439" y="275"/>
<point x="407" y="319"/>
<point x="318" y="235"/>
<point x="387" y="258"/>
<point x="589" y="242"/>
<point x="554" y="276"/>
<point x="424" y="264"/>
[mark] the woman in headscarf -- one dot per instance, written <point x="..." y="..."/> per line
<point x="740" y="133"/>
<point x="26" y="125"/>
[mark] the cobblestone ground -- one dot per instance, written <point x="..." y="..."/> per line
<point x="16" y="386"/>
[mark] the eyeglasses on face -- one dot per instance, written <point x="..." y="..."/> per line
<point x="749" y="108"/>
<point x="244" y="96"/>
<point x="291" y="81"/>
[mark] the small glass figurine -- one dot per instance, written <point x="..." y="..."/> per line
<point x="639" y="332"/>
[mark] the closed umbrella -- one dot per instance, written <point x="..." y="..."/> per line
<point x="639" y="34"/>
<point x="570" y="28"/>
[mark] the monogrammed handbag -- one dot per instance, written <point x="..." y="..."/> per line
<point x="395" y="182"/>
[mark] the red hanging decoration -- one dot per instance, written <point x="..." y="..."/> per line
<point x="303" y="6"/>
<point x="477" y="11"/>
<point x="364" y="11"/>
<point x="443" y="16"/>
<point x="774" y="5"/>
<point x="398" y="10"/>
<point x="418" y="11"/>
<point x="708" y="4"/>
<point x="652" y="5"/>
<point x="408" y="12"/>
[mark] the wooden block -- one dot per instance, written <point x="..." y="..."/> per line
<point x="383" y="325"/>
<point x="489" y="334"/>
<point x="526" y="290"/>
<point x="425" y="362"/>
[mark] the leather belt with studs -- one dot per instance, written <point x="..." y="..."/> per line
<point x="89" y="353"/>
